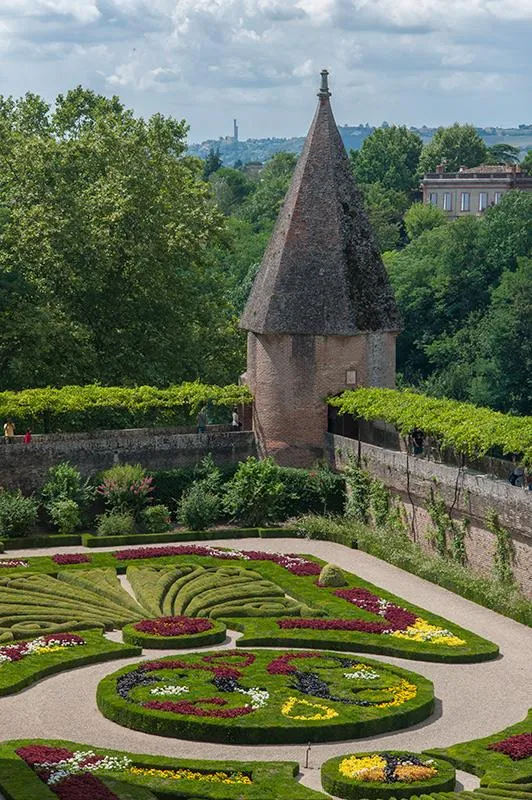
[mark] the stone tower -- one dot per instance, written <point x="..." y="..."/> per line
<point x="321" y="316"/>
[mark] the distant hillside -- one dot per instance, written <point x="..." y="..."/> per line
<point x="353" y="136"/>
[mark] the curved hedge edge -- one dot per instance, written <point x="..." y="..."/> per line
<point x="343" y="787"/>
<point x="162" y="723"/>
<point x="359" y="646"/>
<point x="18" y="781"/>
<point x="81" y="660"/>
<point x="491" y="767"/>
<point x="216" y="635"/>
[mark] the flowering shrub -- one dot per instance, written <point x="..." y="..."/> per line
<point x="517" y="747"/>
<point x="294" y="563"/>
<point x="43" y="644"/>
<point x="173" y="626"/>
<point x="71" y="558"/>
<point x="126" y="487"/>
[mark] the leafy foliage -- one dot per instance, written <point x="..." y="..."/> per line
<point x="421" y="217"/>
<point x="467" y="428"/>
<point x="456" y="146"/>
<point x="89" y="407"/>
<point x="200" y="507"/>
<point x="126" y="488"/>
<point x="389" y="157"/>
<point x="253" y="495"/>
<point x="65" y="515"/>
<point x="18" y="514"/>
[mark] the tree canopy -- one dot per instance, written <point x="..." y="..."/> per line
<point x="105" y="236"/>
<point x="389" y="157"/>
<point x="456" y="146"/>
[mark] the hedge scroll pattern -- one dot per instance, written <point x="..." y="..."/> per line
<point x="264" y="696"/>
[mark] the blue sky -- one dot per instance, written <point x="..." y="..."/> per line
<point x="406" y="61"/>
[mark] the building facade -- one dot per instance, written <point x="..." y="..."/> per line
<point x="472" y="190"/>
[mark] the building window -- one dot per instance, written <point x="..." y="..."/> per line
<point x="498" y="197"/>
<point x="447" y="201"/>
<point x="465" y="202"/>
<point x="482" y="201"/>
<point x="433" y="198"/>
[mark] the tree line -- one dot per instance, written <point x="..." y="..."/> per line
<point x="124" y="261"/>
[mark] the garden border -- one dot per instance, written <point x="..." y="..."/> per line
<point x="216" y="635"/>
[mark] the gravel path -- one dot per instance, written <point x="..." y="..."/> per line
<point x="473" y="700"/>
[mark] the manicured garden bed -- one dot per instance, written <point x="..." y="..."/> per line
<point x="499" y="758"/>
<point x="386" y="774"/>
<point x="23" y="663"/>
<point x="136" y="776"/>
<point x="179" y="632"/>
<point x="277" y="600"/>
<point x="265" y="696"/>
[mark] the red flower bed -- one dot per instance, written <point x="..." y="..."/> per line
<point x="173" y="626"/>
<point x="220" y="672"/>
<point x="398" y="618"/>
<point x="71" y="558"/>
<point x="17" y="651"/>
<point x="35" y="754"/>
<point x="517" y="747"/>
<point x="188" y="707"/>
<point x="83" y="787"/>
<point x="244" y="659"/>
<point x="282" y="665"/>
<point x="291" y="561"/>
<point x="362" y="625"/>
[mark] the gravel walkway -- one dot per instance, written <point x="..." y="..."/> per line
<point x="473" y="700"/>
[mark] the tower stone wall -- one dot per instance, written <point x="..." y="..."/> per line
<point x="290" y="377"/>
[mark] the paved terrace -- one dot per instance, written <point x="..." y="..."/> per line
<point x="473" y="700"/>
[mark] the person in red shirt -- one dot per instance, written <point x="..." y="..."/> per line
<point x="27" y="437"/>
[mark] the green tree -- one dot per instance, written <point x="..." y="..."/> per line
<point x="456" y="146"/>
<point x="213" y="162"/>
<point x="262" y="207"/>
<point x="107" y="229"/>
<point x="385" y="209"/>
<point x="422" y="217"/>
<point x="230" y="188"/>
<point x="503" y="153"/>
<point x="526" y="164"/>
<point x="390" y="157"/>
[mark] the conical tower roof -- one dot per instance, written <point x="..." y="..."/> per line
<point x="322" y="273"/>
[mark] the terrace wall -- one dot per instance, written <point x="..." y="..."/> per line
<point x="472" y="496"/>
<point x="25" y="465"/>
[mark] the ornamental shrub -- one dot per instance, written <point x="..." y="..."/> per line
<point x="65" y="515"/>
<point x="331" y="575"/>
<point x="254" y="495"/>
<point x="200" y="508"/>
<point x="126" y="488"/>
<point x="358" y="484"/>
<point x="155" y="519"/>
<point x="318" y="490"/>
<point x="115" y="523"/>
<point x="18" y="514"/>
<point x="64" y="482"/>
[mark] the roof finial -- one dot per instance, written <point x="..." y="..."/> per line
<point x="324" y="88"/>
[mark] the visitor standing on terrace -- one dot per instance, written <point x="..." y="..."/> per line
<point x="202" y="419"/>
<point x="9" y="430"/>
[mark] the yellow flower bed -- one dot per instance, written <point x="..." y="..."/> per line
<point x="423" y="631"/>
<point x="324" y="711"/>
<point x="371" y="768"/>
<point x="403" y="692"/>
<point x="190" y="775"/>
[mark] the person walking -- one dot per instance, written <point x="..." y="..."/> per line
<point x="202" y="419"/>
<point x="27" y="436"/>
<point x="9" y="430"/>
<point x="235" y="420"/>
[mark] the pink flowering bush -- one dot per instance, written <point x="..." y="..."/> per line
<point x="126" y="487"/>
<point x="517" y="747"/>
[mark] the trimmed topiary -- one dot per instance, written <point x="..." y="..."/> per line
<point x="331" y="575"/>
<point x="264" y="696"/>
<point x="379" y="775"/>
<point x="166" y="633"/>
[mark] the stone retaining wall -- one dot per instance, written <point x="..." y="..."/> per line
<point x="25" y="465"/>
<point x="471" y="494"/>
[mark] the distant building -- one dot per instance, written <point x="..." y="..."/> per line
<point x="253" y="169"/>
<point x="472" y="190"/>
<point x="235" y="131"/>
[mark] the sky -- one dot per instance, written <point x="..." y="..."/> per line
<point x="409" y="62"/>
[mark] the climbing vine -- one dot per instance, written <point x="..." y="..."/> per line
<point x="379" y="498"/>
<point x="469" y="429"/>
<point x="504" y="551"/>
<point x="358" y="486"/>
<point x="458" y="548"/>
<point x="441" y="521"/>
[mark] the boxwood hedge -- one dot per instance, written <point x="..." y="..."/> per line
<point x="321" y="714"/>
<point x="215" y="635"/>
